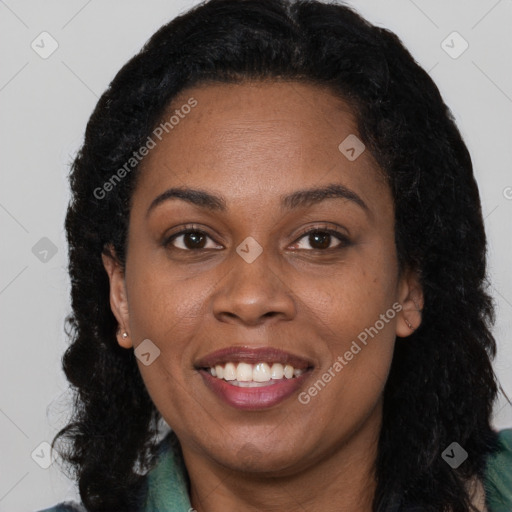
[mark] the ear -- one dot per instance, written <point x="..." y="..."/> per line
<point x="411" y="299"/>
<point x="118" y="297"/>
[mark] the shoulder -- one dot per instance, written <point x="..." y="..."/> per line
<point x="498" y="475"/>
<point x="164" y="483"/>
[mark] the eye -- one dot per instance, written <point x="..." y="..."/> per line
<point x="320" y="239"/>
<point x="193" y="239"/>
<point x="189" y="240"/>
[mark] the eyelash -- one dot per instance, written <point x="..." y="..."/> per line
<point x="343" y="239"/>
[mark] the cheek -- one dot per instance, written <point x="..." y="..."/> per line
<point x="350" y="384"/>
<point x="354" y="299"/>
<point x="357" y="321"/>
<point x="360" y="346"/>
<point x="170" y="313"/>
<point x="163" y="304"/>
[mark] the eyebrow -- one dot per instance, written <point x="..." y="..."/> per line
<point x="299" y="199"/>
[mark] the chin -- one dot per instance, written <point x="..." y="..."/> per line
<point x="264" y="460"/>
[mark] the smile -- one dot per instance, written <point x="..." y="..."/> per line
<point x="254" y="375"/>
<point x="247" y="378"/>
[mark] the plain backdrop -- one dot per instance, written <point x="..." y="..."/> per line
<point x="45" y="105"/>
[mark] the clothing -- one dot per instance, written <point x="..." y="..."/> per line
<point x="167" y="482"/>
<point x="498" y="476"/>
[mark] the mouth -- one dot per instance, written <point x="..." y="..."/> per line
<point x="248" y="378"/>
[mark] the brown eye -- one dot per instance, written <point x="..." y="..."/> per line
<point x="321" y="239"/>
<point x="191" y="240"/>
<point x="194" y="240"/>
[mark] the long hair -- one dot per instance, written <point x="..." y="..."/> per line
<point x="441" y="386"/>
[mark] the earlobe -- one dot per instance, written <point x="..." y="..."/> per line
<point x="123" y="338"/>
<point x="411" y="299"/>
<point x="118" y="297"/>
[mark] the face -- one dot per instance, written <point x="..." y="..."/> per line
<point x="255" y="278"/>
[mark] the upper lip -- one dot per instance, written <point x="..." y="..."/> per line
<point x="253" y="355"/>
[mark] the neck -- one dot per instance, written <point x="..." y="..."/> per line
<point x="341" y="481"/>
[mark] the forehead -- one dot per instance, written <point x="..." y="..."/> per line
<point x="253" y="139"/>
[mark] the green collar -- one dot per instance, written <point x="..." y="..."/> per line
<point x="167" y="482"/>
<point x="498" y="475"/>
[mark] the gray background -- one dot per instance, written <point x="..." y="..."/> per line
<point x="45" y="106"/>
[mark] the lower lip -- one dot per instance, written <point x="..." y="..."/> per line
<point x="253" y="398"/>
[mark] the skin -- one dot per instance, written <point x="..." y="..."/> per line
<point x="252" y="143"/>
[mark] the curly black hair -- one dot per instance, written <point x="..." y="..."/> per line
<point x="441" y="387"/>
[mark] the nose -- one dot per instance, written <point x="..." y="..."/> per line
<point x="253" y="293"/>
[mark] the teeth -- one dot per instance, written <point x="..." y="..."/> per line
<point x="288" y="371"/>
<point x="249" y="375"/>
<point x="277" y="371"/>
<point x="230" y="371"/>
<point x="244" y="372"/>
<point x="261" y="373"/>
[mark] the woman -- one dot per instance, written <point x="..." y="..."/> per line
<point x="277" y="249"/>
